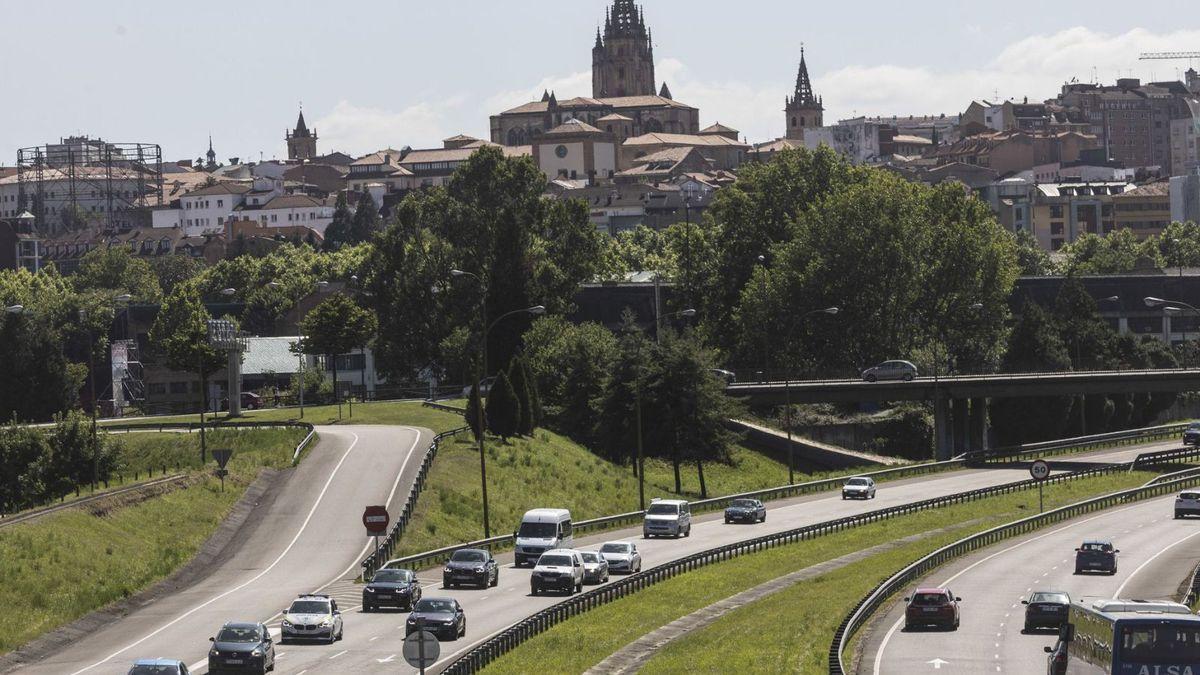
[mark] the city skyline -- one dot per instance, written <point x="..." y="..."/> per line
<point x="367" y="83"/>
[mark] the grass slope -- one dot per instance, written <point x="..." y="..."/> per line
<point x="407" y="413"/>
<point x="780" y="635"/>
<point x="65" y="565"/>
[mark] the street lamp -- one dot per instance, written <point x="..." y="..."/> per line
<point x="15" y="309"/>
<point x="637" y="393"/>
<point x="764" y="374"/>
<point x="787" y="390"/>
<point x="1174" y="307"/>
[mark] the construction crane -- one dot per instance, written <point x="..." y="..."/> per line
<point x="1159" y="56"/>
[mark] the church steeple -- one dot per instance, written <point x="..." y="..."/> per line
<point x="803" y="109"/>
<point x="211" y="155"/>
<point x="623" y="56"/>
<point x="301" y="142"/>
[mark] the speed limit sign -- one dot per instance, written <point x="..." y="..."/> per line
<point x="1040" y="470"/>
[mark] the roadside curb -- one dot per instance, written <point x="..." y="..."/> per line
<point x="219" y="547"/>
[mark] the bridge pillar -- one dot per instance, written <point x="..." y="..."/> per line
<point x="979" y="428"/>
<point x="959" y="420"/>
<point x="943" y="444"/>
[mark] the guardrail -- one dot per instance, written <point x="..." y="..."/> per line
<point x="1080" y="444"/>
<point x="1032" y="450"/>
<point x="377" y="557"/>
<point x="881" y="593"/>
<point x="506" y="640"/>
<point x="27" y="516"/>
<point x="957" y="378"/>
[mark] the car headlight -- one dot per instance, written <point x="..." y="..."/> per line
<point x="478" y="570"/>
<point x="287" y="623"/>
<point x="447" y="569"/>
<point x="326" y="623"/>
<point x="213" y="652"/>
<point x="257" y="652"/>
<point x="368" y="589"/>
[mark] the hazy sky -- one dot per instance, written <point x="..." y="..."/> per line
<point x="374" y="74"/>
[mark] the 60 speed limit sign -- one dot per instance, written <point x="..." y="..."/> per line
<point x="1040" y="470"/>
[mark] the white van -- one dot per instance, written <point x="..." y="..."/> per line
<point x="542" y="530"/>
<point x="667" y="517"/>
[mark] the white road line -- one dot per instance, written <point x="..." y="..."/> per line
<point x="181" y="617"/>
<point x="1151" y="559"/>
<point x="338" y="654"/>
<point x="373" y="639"/>
<point x="896" y="626"/>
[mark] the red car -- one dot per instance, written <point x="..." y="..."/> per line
<point x="931" y="607"/>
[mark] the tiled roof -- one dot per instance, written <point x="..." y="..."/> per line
<point x="293" y="202"/>
<point x="1156" y="189"/>
<point x="619" y="103"/>
<point x="906" y="139"/>
<point x="221" y="189"/>
<point x="615" y="117"/>
<point x="573" y="126"/>
<point x="683" y="139"/>
<point x="719" y="128"/>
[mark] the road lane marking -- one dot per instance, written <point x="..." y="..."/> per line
<point x="373" y="639"/>
<point x="181" y="617"/>
<point x="1151" y="559"/>
<point x="338" y="654"/>
<point x="896" y="626"/>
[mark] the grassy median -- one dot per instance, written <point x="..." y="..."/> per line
<point x="407" y="413"/>
<point x="783" y="635"/>
<point x="61" y="567"/>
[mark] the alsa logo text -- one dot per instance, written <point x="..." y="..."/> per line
<point x="1166" y="670"/>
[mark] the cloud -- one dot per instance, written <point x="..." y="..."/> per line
<point x="358" y="130"/>
<point x="565" y="86"/>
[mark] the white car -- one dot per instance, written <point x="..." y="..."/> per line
<point x="622" y="556"/>
<point x="560" y="569"/>
<point x="312" y="617"/>
<point x="1187" y="504"/>
<point x="671" y="517"/>
<point x="891" y="370"/>
<point x="859" y="487"/>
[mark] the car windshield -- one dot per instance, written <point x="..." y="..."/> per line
<point x="554" y="561"/>
<point x="1165" y="645"/>
<point x="1194" y="426"/>
<point x="1056" y="598"/>
<point x="154" y="670"/>
<point x="929" y="599"/>
<point x="537" y="530"/>
<point x="401" y="576"/>
<point x="310" y="607"/>
<point x="434" y="605"/>
<point x="742" y="503"/>
<point x="857" y="481"/>
<point x="615" y="548"/>
<point x="663" y="509"/>
<point x="589" y="557"/>
<point x="1189" y="495"/>
<point x="468" y="556"/>
<point x="238" y="634"/>
<point x="1097" y="548"/>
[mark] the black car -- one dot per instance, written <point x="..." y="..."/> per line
<point x="1046" y="609"/>
<point x="391" y="588"/>
<point x="241" y="648"/>
<point x="1191" y="435"/>
<point x="474" y="566"/>
<point x="1096" y="556"/>
<point x="443" y="617"/>
<point x="746" y="511"/>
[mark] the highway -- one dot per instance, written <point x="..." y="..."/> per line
<point x="1157" y="553"/>
<point x="311" y="538"/>
<point x="308" y="535"/>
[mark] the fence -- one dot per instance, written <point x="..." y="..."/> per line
<point x="506" y="640"/>
<point x="877" y="597"/>
<point x="375" y="560"/>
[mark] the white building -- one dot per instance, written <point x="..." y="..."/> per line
<point x="1185" y="198"/>
<point x="288" y="210"/>
<point x="856" y="139"/>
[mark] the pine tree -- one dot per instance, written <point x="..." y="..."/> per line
<point x="503" y="408"/>
<point x="366" y="220"/>
<point x="338" y="231"/>
<point x="535" y="399"/>
<point x="472" y="412"/>
<point x="518" y="376"/>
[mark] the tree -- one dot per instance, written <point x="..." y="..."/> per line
<point x="472" y="412"/>
<point x="173" y="270"/>
<point x="336" y="326"/>
<point x="117" y="270"/>
<point x="37" y="381"/>
<point x="1033" y="346"/>
<point x="571" y="365"/>
<point x="517" y="376"/>
<point x="503" y="408"/>
<point x="1117" y="252"/>
<point x="492" y="221"/>
<point x="365" y="223"/>
<point x="337" y="234"/>
<point x="180" y="333"/>
<point x="1179" y="245"/>
<point x="1032" y="259"/>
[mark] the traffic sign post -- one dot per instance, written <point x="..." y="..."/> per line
<point x="222" y="456"/>
<point x="1040" y="471"/>
<point x="376" y="519"/>
<point x="421" y="648"/>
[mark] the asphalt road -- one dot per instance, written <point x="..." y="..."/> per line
<point x="373" y="641"/>
<point x="1157" y="553"/>
<point x="308" y="537"/>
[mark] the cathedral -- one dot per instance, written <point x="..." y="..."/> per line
<point x="803" y="110"/>
<point x="626" y="101"/>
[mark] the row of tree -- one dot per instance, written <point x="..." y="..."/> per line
<point x="512" y="405"/>
<point x="44" y="465"/>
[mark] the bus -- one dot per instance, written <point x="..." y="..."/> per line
<point x="1127" y="637"/>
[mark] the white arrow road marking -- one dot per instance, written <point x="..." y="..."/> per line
<point x="938" y="663"/>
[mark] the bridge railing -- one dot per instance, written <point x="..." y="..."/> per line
<point x="781" y="379"/>
<point x="503" y="642"/>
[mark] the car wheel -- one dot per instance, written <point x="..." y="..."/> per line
<point x="763" y="519"/>
<point x="341" y="633"/>
<point x="332" y="638"/>
<point x="689" y="531"/>
<point x="871" y="378"/>
<point x="727" y="520"/>
<point x="843" y="497"/>
<point x="908" y="377"/>
<point x="533" y="590"/>
<point x="1078" y="571"/>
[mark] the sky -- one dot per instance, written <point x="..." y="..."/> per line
<point x="375" y="74"/>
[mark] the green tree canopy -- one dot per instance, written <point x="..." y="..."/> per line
<point x="115" y="269"/>
<point x="365" y="222"/>
<point x="503" y="408"/>
<point x="337" y="233"/>
<point x="337" y="326"/>
<point x="180" y="334"/>
<point x="1117" y="252"/>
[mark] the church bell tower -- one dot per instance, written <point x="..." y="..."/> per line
<point x="803" y="109"/>
<point x="623" y="56"/>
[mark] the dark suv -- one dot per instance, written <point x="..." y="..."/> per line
<point x="240" y="648"/>
<point x="391" y="588"/>
<point x="932" y="607"/>
<point x="1096" y="556"/>
<point x="1191" y="435"/>
<point x="1046" y="609"/>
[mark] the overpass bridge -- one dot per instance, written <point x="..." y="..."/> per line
<point x="960" y="402"/>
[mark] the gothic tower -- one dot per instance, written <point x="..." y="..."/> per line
<point x="803" y="110"/>
<point x="302" y="143"/>
<point x="623" y="57"/>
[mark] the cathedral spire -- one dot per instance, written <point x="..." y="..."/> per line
<point x="599" y="40"/>
<point x="665" y="92"/>
<point x="804" y="91"/>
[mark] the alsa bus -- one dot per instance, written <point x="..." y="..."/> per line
<point x="1127" y="637"/>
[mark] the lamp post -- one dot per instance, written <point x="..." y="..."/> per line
<point x="688" y="196"/>
<point x="787" y="390"/>
<point x="1174" y="307"/>
<point x="536" y="310"/>
<point x="637" y="394"/>
<point x="762" y="260"/>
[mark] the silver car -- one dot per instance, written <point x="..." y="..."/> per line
<point x="595" y="568"/>
<point x="859" y="487"/>
<point x="891" y="370"/>
<point x="622" y="557"/>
